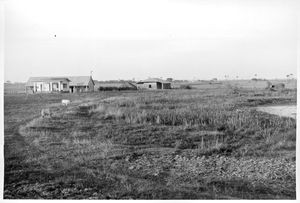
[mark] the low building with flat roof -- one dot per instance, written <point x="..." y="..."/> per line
<point x="154" y="83"/>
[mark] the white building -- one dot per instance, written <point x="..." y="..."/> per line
<point x="60" y="84"/>
<point x="47" y="84"/>
<point x="81" y="84"/>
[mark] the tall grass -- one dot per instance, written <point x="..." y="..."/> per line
<point x="164" y="144"/>
<point x="217" y="116"/>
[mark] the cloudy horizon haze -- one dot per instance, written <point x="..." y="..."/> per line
<point x="126" y="39"/>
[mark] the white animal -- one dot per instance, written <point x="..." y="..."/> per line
<point x="46" y="113"/>
<point x="65" y="102"/>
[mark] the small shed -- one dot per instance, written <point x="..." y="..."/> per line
<point x="153" y="83"/>
<point x="81" y="84"/>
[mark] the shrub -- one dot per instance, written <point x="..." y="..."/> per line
<point x="112" y="88"/>
<point x="185" y="87"/>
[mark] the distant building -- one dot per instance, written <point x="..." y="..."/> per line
<point x="47" y="84"/>
<point x="153" y="83"/>
<point x="81" y="84"/>
<point x="169" y="79"/>
<point x="59" y="84"/>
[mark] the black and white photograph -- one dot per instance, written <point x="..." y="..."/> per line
<point x="149" y="99"/>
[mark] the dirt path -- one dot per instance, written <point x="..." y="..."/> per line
<point x="283" y="110"/>
<point x="18" y="173"/>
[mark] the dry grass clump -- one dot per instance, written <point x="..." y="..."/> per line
<point x="213" y="117"/>
<point x="227" y="117"/>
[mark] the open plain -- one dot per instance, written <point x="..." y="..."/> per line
<point x="202" y="143"/>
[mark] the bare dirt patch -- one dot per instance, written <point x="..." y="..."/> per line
<point x="282" y="110"/>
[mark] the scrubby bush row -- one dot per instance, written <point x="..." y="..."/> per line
<point x="112" y="88"/>
<point x="206" y="117"/>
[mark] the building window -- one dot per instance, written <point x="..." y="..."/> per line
<point x="65" y="86"/>
<point x="149" y="86"/>
<point x="55" y="86"/>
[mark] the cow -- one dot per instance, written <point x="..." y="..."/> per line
<point x="65" y="102"/>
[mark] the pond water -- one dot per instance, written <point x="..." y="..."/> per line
<point x="282" y="110"/>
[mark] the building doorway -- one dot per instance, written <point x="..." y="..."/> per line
<point x="159" y="85"/>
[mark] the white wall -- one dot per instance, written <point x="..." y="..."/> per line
<point x="146" y="85"/>
<point x="46" y="86"/>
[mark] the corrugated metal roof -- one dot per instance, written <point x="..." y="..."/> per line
<point x="31" y="80"/>
<point x="80" y="80"/>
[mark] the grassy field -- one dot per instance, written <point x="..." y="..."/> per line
<point x="174" y="144"/>
<point x="13" y="88"/>
<point x="245" y="84"/>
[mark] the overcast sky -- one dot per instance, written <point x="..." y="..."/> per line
<point x="126" y="39"/>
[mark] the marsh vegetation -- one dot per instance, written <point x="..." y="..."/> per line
<point x="174" y="144"/>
